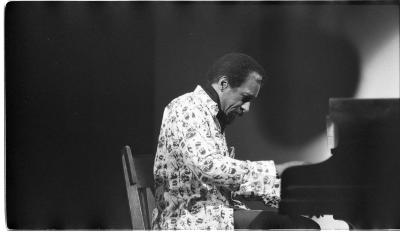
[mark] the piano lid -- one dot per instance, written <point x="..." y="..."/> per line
<point x="360" y="182"/>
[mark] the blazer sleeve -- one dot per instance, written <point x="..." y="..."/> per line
<point x="190" y="136"/>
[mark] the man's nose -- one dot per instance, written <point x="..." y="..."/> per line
<point x="246" y="107"/>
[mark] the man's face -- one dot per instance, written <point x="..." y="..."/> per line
<point x="236" y="101"/>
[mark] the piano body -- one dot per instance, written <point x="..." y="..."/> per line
<point x="360" y="182"/>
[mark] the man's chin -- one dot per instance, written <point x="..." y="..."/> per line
<point x="231" y="117"/>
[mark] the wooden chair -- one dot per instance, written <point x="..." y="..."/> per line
<point x="138" y="172"/>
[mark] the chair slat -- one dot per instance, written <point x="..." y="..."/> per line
<point x="138" y="174"/>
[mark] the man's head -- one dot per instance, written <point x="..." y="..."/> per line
<point x="237" y="78"/>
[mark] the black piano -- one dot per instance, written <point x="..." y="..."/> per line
<point x="360" y="182"/>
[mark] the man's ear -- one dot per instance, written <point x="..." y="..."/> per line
<point x="223" y="83"/>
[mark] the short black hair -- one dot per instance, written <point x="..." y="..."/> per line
<point x="236" y="67"/>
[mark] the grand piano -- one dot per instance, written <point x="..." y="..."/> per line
<point x="360" y="182"/>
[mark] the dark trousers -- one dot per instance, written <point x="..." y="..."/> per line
<point x="264" y="220"/>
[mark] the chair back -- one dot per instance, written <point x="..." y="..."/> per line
<point x="138" y="173"/>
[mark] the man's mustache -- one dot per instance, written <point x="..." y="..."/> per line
<point x="232" y="115"/>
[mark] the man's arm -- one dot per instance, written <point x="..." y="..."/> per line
<point x="210" y="164"/>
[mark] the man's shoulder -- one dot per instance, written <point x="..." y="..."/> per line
<point x="185" y="102"/>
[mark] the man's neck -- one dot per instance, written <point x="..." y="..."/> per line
<point x="213" y="94"/>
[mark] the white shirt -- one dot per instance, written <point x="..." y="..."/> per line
<point x="194" y="172"/>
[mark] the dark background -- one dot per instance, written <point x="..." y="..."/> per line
<point x="79" y="86"/>
<point x="84" y="79"/>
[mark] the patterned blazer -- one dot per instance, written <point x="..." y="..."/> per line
<point x="195" y="176"/>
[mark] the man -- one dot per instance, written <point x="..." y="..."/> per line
<point x="195" y="174"/>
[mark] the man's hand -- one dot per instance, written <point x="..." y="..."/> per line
<point x="281" y="167"/>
